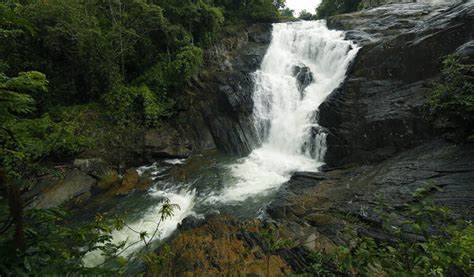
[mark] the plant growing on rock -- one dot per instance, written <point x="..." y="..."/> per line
<point x="428" y="242"/>
<point x="272" y="243"/>
<point x="451" y="100"/>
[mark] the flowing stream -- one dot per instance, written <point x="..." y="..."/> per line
<point x="304" y="63"/>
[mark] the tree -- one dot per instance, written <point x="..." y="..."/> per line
<point x="287" y="12"/>
<point x="15" y="100"/>
<point x="305" y="15"/>
<point x="329" y="8"/>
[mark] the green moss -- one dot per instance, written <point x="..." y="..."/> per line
<point x="109" y="179"/>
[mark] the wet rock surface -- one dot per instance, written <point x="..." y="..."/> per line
<point x="52" y="191"/>
<point x="94" y="167"/>
<point x="215" y="110"/>
<point x="129" y="182"/>
<point x="377" y="112"/>
<point x="165" y="142"/>
<point x="304" y="77"/>
<point x="325" y="200"/>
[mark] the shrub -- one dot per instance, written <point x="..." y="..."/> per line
<point x="451" y="101"/>
<point x="109" y="179"/>
<point x="187" y="63"/>
<point x="127" y="105"/>
<point x="430" y="241"/>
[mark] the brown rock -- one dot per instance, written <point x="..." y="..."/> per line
<point x="145" y="184"/>
<point x="129" y="182"/>
<point x="224" y="246"/>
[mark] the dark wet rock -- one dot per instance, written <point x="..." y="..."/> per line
<point x="377" y="112"/>
<point x="93" y="167"/>
<point x="145" y="183"/>
<point x="364" y="4"/>
<point x="165" y="142"/>
<point x="328" y="203"/>
<point x="304" y="77"/>
<point x="52" y="191"/>
<point x="466" y="52"/>
<point x="190" y="222"/>
<point x="214" y="111"/>
<point x="260" y="33"/>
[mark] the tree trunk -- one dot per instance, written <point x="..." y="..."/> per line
<point x="15" y="206"/>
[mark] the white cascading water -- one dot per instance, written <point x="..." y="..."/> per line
<point x="285" y="117"/>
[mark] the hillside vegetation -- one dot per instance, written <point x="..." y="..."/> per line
<point x="79" y="76"/>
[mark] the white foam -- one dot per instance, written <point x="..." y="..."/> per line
<point x="148" y="223"/>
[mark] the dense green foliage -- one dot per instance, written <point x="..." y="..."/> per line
<point x="451" y="101"/>
<point x="329" y="8"/>
<point x="92" y="49"/>
<point x="87" y="77"/>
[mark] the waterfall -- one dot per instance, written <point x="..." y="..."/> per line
<point x="304" y="63"/>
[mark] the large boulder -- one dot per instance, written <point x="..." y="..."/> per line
<point x="327" y="202"/>
<point x="129" y="182"/>
<point x="304" y="77"/>
<point x="93" y="167"/>
<point x="53" y="191"/>
<point x="165" y="142"/>
<point x="225" y="244"/>
<point x="465" y="52"/>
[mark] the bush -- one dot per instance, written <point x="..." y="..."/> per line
<point x="429" y="241"/>
<point x="451" y="101"/>
<point x="127" y="105"/>
<point x="187" y="63"/>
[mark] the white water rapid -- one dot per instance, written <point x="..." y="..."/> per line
<point x="285" y="116"/>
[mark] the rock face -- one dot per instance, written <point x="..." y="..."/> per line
<point x="129" y="182"/>
<point x="53" y="191"/>
<point x="326" y="200"/>
<point x="377" y="112"/>
<point x="215" y="109"/>
<point x="304" y="77"/>
<point x="165" y="142"/>
<point x="93" y="167"/>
